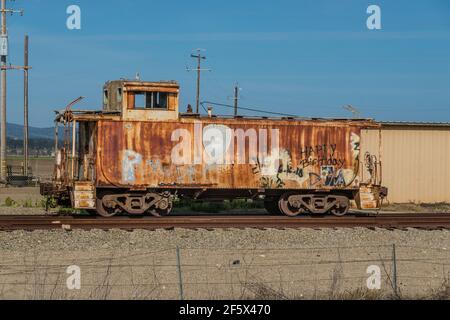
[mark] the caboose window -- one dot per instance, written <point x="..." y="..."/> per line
<point x="139" y="100"/>
<point x="159" y="100"/>
<point x="150" y="100"/>
<point x="119" y="95"/>
<point x="105" y="97"/>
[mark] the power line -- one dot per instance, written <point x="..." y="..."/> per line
<point x="251" y="109"/>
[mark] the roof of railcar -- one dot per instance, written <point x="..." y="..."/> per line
<point x="134" y="83"/>
<point x="90" y="115"/>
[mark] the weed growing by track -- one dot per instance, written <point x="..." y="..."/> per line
<point x="218" y="206"/>
<point x="27" y="203"/>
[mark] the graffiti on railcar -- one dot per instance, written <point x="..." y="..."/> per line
<point x="130" y="161"/>
<point x="210" y="152"/>
<point x="318" y="166"/>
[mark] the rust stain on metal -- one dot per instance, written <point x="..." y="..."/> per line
<point x="312" y="154"/>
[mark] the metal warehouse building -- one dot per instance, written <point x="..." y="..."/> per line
<point x="415" y="159"/>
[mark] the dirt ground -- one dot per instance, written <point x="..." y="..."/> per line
<point x="20" y="194"/>
<point x="231" y="264"/>
<point x="222" y="263"/>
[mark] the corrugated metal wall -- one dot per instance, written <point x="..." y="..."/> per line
<point x="415" y="161"/>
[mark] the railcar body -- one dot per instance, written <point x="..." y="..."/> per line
<point x="139" y="153"/>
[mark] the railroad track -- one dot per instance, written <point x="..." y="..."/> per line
<point x="390" y="221"/>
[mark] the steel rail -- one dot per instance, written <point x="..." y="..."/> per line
<point x="390" y="221"/>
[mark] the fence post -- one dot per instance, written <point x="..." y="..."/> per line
<point x="180" y="278"/>
<point x="394" y="270"/>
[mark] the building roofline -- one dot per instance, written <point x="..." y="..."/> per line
<point x="413" y="124"/>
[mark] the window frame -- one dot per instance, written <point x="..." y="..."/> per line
<point x="105" y="98"/>
<point x="152" y="96"/>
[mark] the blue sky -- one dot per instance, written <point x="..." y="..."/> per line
<point x="307" y="58"/>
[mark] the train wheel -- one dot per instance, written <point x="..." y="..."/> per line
<point x="157" y="212"/>
<point x="287" y="208"/>
<point x="272" y="207"/>
<point x="162" y="208"/>
<point x="341" y="208"/>
<point x="105" y="211"/>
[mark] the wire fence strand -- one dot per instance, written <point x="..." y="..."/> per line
<point x="206" y="273"/>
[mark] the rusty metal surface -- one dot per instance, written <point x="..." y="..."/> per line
<point x="312" y="154"/>
<point x="369" y="197"/>
<point x="83" y="195"/>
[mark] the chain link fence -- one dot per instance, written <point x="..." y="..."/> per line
<point x="39" y="169"/>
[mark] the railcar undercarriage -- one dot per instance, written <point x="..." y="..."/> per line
<point x="111" y="202"/>
<point x="156" y="204"/>
<point x="161" y="204"/>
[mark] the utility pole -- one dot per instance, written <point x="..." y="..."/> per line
<point x="25" y="68"/>
<point x="199" y="58"/>
<point x="4" y="55"/>
<point x="235" y="99"/>
<point x="25" y="108"/>
<point x="3" y="61"/>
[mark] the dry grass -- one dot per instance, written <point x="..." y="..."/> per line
<point x="43" y="287"/>
<point x="261" y="291"/>
<point x="42" y="284"/>
<point x="362" y="294"/>
<point x="443" y="292"/>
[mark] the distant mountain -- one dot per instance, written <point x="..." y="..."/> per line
<point x="15" y="131"/>
<point x="40" y="140"/>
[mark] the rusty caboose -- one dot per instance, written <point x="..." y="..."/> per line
<point x="139" y="153"/>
